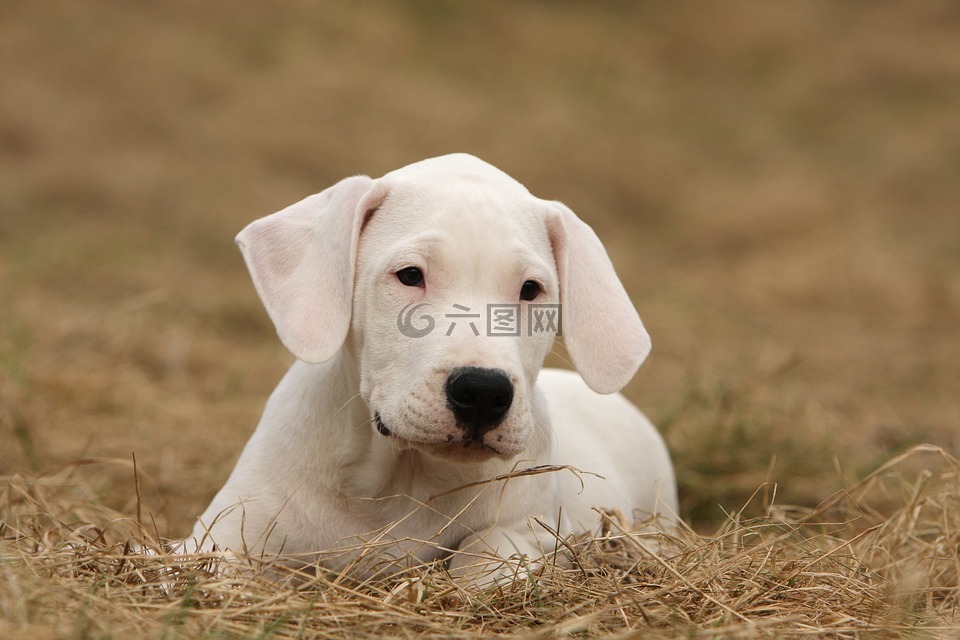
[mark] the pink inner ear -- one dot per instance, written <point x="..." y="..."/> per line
<point x="372" y="201"/>
<point x="301" y="260"/>
<point x="602" y="331"/>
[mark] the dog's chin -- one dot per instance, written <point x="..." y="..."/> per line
<point x="450" y="450"/>
<point x="458" y="451"/>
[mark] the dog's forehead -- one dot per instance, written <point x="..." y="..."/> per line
<point x="458" y="192"/>
<point x="463" y="221"/>
<point x="459" y="168"/>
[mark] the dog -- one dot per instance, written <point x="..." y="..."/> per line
<point x="416" y="423"/>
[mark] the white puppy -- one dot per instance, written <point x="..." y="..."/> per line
<point x="420" y="307"/>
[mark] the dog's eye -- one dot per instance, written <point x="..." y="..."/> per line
<point x="529" y="290"/>
<point x="411" y="277"/>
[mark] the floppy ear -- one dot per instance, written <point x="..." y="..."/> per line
<point x="302" y="260"/>
<point x="601" y="328"/>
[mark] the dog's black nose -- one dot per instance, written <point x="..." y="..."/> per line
<point x="479" y="398"/>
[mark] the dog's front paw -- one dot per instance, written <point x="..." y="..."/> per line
<point x="497" y="556"/>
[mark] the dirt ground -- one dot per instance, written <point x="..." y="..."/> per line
<point x="778" y="185"/>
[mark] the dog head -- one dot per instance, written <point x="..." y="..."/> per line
<point x="449" y="281"/>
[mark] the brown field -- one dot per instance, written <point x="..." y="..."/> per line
<point x="778" y="185"/>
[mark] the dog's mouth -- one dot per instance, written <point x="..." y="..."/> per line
<point x="467" y="449"/>
<point x="381" y="428"/>
<point x="464" y="451"/>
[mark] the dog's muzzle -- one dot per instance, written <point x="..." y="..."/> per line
<point x="479" y="399"/>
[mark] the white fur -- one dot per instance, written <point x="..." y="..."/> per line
<point x="317" y="480"/>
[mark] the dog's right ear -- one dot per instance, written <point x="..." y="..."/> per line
<point x="602" y="331"/>
<point x="302" y="263"/>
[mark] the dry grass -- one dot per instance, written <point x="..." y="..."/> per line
<point x="777" y="183"/>
<point x="842" y="570"/>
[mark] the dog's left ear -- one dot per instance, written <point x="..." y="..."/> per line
<point x="601" y="328"/>
<point x="302" y="261"/>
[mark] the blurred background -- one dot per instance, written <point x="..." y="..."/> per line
<point x="778" y="185"/>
